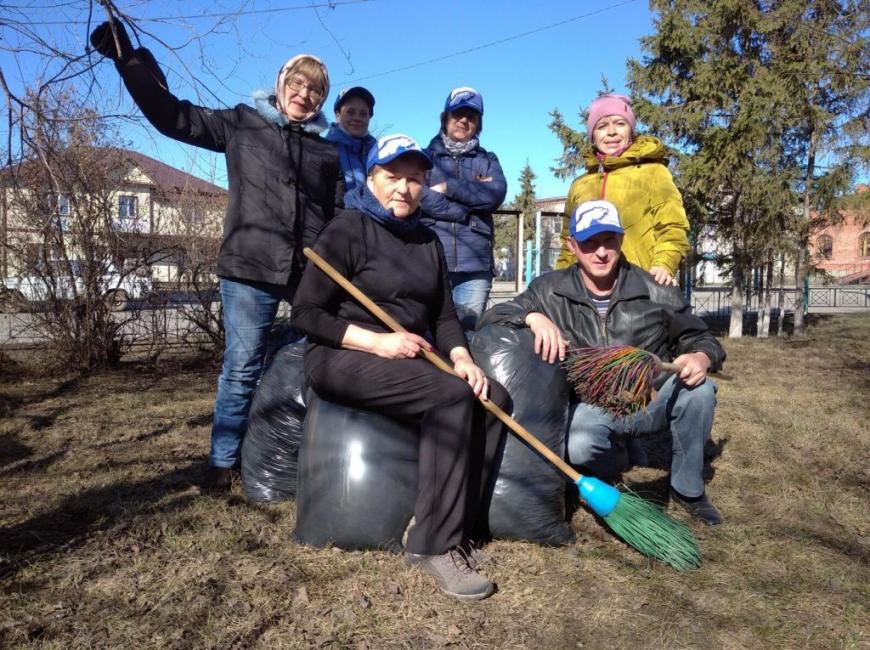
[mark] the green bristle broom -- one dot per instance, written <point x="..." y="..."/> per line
<point x="638" y="522"/>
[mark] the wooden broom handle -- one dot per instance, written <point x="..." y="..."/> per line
<point x="669" y="367"/>
<point x="435" y="359"/>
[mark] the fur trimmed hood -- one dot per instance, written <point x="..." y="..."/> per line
<point x="264" y="102"/>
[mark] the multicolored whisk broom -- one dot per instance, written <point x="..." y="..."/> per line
<point x="618" y="378"/>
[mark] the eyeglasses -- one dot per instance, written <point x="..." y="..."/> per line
<point x="296" y="85"/>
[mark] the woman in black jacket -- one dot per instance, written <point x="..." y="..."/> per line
<point x="382" y="248"/>
<point x="284" y="185"/>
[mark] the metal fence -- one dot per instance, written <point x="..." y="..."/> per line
<point x="717" y="300"/>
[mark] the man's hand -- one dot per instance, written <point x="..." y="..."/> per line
<point x="103" y="41"/>
<point x="692" y="367"/>
<point x="464" y="366"/>
<point x="398" y="345"/>
<point x="662" y="276"/>
<point x="549" y="342"/>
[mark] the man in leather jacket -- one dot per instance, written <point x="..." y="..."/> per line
<point x="604" y="300"/>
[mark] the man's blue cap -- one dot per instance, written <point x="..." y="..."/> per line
<point x="463" y="97"/>
<point x="391" y="147"/>
<point x="355" y="91"/>
<point x="593" y="217"/>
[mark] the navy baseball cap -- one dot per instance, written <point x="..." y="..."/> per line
<point x="391" y="147"/>
<point x="593" y="217"/>
<point x="355" y="91"/>
<point x="464" y="97"/>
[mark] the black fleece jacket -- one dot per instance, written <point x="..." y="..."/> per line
<point x="404" y="274"/>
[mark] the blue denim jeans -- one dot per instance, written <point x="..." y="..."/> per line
<point x="249" y="312"/>
<point x="470" y="295"/>
<point x="596" y="440"/>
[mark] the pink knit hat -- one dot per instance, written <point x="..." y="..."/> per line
<point x="609" y="104"/>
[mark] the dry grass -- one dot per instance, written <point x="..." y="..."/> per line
<point x="104" y="541"/>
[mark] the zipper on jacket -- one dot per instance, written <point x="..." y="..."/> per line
<point x="453" y="223"/>
<point x="603" y="182"/>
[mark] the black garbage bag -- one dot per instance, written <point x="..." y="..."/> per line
<point x="357" y="478"/>
<point x="271" y="444"/>
<point x="529" y="498"/>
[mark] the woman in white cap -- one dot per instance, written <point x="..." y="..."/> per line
<point x="284" y="185"/>
<point x="466" y="184"/>
<point x="349" y="133"/>
<point x="383" y="249"/>
<point x="630" y="171"/>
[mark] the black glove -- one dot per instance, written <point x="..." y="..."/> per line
<point x="104" y="42"/>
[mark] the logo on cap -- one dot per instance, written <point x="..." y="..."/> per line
<point x="392" y="146"/>
<point x="593" y="217"/>
<point x="464" y="96"/>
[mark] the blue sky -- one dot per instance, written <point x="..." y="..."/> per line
<point x="409" y="54"/>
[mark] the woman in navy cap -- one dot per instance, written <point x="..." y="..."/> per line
<point x="466" y="184"/>
<point x="353" y="108"/>
<point x="383" y="249"/>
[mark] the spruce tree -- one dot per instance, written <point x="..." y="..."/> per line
<point x="820" y="55"/>
<point x="703" y="85"/>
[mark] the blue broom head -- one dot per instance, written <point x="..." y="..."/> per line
<point x="598" y="495"/>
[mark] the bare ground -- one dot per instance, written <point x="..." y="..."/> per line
<point x="106" y="542"/>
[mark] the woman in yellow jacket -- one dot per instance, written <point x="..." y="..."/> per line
<point x="631" y="172"/>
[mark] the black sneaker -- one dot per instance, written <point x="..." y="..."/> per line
<point x="218" y="480"/>
<point x="453" y="574"/>
<point x="701" y="508"/>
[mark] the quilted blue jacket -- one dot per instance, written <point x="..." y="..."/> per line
<point x="462" y="216"/>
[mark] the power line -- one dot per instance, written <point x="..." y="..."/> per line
<point x="273" y="10"/>
<point x="506" y="39"/>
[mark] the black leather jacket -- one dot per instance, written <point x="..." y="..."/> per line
<point x="284" y="182"/>
<point x="641" y="313"/>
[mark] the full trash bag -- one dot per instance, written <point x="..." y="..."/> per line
<point x="271" y="444"/>
<point x="357" y="478"/>
<point x="529" y="498"/>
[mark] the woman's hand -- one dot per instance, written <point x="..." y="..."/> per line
<point x="549" y="342"/>
<point x="464" y="366"/>
<point x="663" y="276"/>
<point x="398" y="345"/>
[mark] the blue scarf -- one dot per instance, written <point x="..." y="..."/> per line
<point x="365" y="202"/>
<point x="352" y="152"/>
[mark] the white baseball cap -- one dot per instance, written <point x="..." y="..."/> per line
<point x="593" y="217"/>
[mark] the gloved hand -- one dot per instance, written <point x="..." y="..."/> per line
<point x="104" y="42"/>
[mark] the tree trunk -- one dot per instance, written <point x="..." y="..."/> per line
<point x="764" y="312"/>
<point x="735" y="329"/>
<point x="803" y="256"/>
<point x="780" y="322"/>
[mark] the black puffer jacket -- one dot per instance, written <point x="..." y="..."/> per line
<point x="284" y="182"/>
<point x="641" y="313"/>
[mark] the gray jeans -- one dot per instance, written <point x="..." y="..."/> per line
<point x="596" y="440"/>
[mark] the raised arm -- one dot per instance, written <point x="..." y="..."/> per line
<point x="146" y="83"/>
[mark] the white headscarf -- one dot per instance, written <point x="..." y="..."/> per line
<point x="282" y="75"/>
